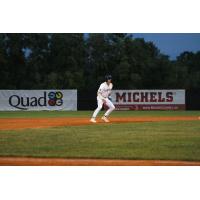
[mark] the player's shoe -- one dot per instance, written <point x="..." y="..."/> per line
<point x="105" y="119"/>
<point x="93" y="120"/>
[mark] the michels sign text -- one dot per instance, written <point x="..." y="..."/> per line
<point x="149" y="99"/>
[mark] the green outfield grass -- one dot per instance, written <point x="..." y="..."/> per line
<point x="22" y="114"/>
<point x="177" y="140"/>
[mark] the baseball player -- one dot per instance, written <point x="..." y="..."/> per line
<point x="103" y="95"/>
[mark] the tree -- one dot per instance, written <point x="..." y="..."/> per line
<point x="47" y="61"/>
<point x="188" y="70"/>
<point x="13" y="64"/>
<point x="67" y="59"/>
<point x="4" y="71"/>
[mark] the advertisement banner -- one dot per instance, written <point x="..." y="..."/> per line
<point x="38" y="100"/>
<point x="149" y="99"/>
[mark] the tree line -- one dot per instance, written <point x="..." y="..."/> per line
<point x="80" y="61"/>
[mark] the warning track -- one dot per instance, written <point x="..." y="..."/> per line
<point x="24" y="123"/>
<point x="21" y="161"/>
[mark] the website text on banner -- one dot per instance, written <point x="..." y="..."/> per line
<point x="149" y="99"/>
<point x="38" y="100"/>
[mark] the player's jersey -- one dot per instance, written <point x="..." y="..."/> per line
<point x="105" y="90"/>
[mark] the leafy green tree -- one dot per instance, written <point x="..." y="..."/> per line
<point x="67" y="59"/>
<point x="188" y="70"/>
<point x="47" y="61"/>
<point x="4" y="70"/>
<point x="14" y="60"/>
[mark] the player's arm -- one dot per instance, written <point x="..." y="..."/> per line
<point x="99" y="93"/>
<point x="110" y="89"/>
<point x="109" y="96"/>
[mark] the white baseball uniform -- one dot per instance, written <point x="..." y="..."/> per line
<point x="103" y="93"/>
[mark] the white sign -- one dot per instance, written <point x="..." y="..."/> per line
<point x="149" y="99"/>
<point x="38" y="99"/>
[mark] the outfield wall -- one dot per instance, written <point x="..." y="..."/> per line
<point x="38" y="100"/>
<point x="193" y="99"/>
<point x="86" y="100"/>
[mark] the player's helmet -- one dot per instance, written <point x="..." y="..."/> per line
<point x="108" y="77"/>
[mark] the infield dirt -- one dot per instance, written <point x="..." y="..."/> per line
<point x="24" y="123"/>
<point x="21" y="161"/>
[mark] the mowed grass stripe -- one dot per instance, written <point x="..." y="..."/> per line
<point x="54" y="114"/>
<point x="150" y="140"/>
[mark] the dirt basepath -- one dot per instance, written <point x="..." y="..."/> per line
<point x="23" y="123"/>
<point x="17" y="161"/>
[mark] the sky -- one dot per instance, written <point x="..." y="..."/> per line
<point x="172" y="44"/>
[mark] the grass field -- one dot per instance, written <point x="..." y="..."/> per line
<point x="18" y="114"/>
<point x="175" y="140"/>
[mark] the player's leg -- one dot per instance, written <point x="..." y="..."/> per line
<point x="100" y="104"/>
<point x="111" y="108"/>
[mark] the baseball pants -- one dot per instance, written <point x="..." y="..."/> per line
<point x="100" y="104"/>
